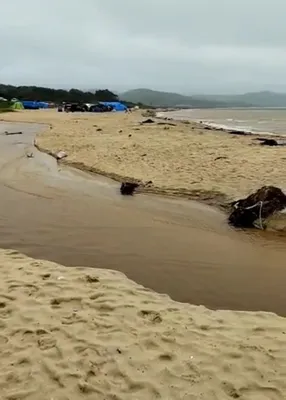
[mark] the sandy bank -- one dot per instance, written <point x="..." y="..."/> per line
<point x="73" y="333"/>
<point x="185" y="159"/>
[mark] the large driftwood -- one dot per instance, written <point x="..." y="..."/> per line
<point x="257" y="207"/>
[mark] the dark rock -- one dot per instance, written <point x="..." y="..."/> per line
<point x="129" y="135"/>
<point x="267" y="142"/>
<point x="99" y="130"/>
<point x="128" y="188"/>
<point x="148" y="121"/>
<point x="271" y="142"/>
<point x="258" y="206"/>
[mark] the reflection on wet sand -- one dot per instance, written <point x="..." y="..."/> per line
<point x="173" y="246"/>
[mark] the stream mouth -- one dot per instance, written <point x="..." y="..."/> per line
<point x="174" y="246"/>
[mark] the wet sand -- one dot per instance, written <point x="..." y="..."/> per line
<point x="177" y="247"/>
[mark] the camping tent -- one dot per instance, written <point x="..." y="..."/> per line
<point x="17" y="106"/>
<point x="30" y="105"/>
<point x="43" y="104"/>
<point x="116" y="105"/>
<point x="34" y="105"/>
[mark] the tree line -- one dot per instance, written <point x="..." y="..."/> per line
<point x="37" y="93"/>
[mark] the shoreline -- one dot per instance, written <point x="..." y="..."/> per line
<point x="211" y="198"/>
<point x="219" y="127"/>
<point x="214" y="196"/>
<point x="235" y="130"/>
<point x="228" y="128"/>
<point x="218" y="200"/>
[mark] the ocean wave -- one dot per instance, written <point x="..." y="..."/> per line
<point x="243" y="125"/>
<point x="246" y="129"/>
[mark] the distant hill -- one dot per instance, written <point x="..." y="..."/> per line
<point x="256" y="99"/>
<point x="165" y="99"/>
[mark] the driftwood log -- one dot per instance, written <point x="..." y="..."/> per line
<point x="13" y="133"/>
<point x="239" y="133"/>
<point x="257" y="207"/>
<point x="166" y="123"/>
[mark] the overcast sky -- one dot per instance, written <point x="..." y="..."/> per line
<point x="191" y="46"/>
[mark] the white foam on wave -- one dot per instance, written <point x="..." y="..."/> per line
<point x="246" y="129"/>
<point x="229" y="125"/>
<point x="160" y="114"/>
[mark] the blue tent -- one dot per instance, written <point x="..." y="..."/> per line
<point x="116" y="105"/>
<point x="43" y="104"/>
<point x="34" y="105"/>
<point x="30" y="105"/>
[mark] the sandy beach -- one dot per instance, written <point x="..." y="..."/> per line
<point x="185" y="159"/>
<point x="74" y="333"/>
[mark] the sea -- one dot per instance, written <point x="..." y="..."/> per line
<point x="263" y="121"/>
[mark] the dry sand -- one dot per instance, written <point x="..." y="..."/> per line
<point x="185" y="159"/>
<point x="79" y="333"/>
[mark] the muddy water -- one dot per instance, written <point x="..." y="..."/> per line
<point x="173" y="246"/>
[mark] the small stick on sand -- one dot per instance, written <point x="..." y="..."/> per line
<point x="13" y="133"/>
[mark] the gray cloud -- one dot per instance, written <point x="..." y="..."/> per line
<point x="185" y="45"/>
